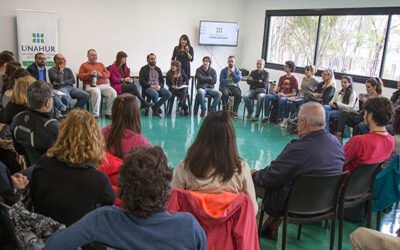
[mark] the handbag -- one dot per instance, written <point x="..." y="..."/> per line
<point x="309" y="97"/>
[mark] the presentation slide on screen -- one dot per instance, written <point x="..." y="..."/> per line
<point x="218" y="33"/>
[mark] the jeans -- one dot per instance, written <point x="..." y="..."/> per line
<point x="293" y="107"/>
<point x="231" y="91"/>
<point x="281" y="104"/>
<point x="330" y="114"/>
<point x="58" y="104"/>
<point x="215" y="94"/>
<point x="252" y="94"/>
<point x="71" y="92"/>
<point x="154" y="95"/>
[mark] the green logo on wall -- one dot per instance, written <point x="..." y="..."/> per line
<point x="219" y="29"/>
<point x="38" y="37"/>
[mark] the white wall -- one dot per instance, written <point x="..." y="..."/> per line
<point x="136" y="27"/>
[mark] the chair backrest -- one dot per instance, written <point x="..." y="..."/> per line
<point x="361" y="181"/>
<point x="314" y="194"/>
<point x="9" y="224"/>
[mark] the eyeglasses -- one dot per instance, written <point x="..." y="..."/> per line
<point x="41" y="58"/>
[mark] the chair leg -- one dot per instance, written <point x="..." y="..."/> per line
<point x="369" y="212"/>
<point x="299" y="231"/>
<point x="333" y="222"/>
<point x="341" y="211"/>
<point x="378" y="220"/>
<point x="285" y="222"/>
<point x="260" y="222"/>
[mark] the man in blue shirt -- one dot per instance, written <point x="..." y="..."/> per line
<point x="144" y="188"/>
<point x="38" y="68"/>
<point x="229" y="85"/>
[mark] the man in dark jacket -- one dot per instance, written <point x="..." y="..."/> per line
<point x="259" y="85"/>
<point x="38" y="68"/>
<point x="206" y="77"/>
<point x="317" y="152"/>
<point x="34" y="131"/>
<point x="152" y="82"/>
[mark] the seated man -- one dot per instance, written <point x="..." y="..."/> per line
<point x="287" y="87"/>
<point x="206" y="78"/>
<point x="144" y="222"/>
<point x="35" y="129"/>
<point x="63" y="79"/>
<point x="377" y="145"/>
<point x="316" y="152"/>
<point x="38" y="71"/>
<point x="259" y="82"/>
<point x="229" y="85"/>
<point x="94" y="76"/>
<point x="152" y="82"/>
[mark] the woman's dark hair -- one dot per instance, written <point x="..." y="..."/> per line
<point x="214" y="151"/>
<point x="125" y="115"/>
<point x="377" y="83"/>
<point x="170" y="73"/>
<point x="144" y="181"/>
<point x="121" y="66"/>
<point x="10" y="68"/>
<point x="380" y="108"/>
<point x="18" y="73"/>
<point x="311" y="68"/>
<point x="396" y="122"/>
<point x="291" y="65"/>
<point x="349" y="90"/>
<point x="208" y="58"/>
<point x="186" y="38"/>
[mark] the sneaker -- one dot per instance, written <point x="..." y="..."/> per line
<point x="265" y="120"/>
<point x="155" y="112"/>
<point x="234" y="115"/>
<point x="255" y="118"/>
<point x="146" y="105"/>
<point x="249" y="115"/>
<point x="283" y="124"/>
<point x="203" y="113"/>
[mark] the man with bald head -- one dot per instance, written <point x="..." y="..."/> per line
<point x="63" y="80"/>
<point x="317" y="152"/>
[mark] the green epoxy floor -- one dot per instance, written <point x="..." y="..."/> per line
<point x="258" y="145"/>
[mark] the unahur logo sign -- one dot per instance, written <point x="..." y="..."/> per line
<point x="38" y="37"/>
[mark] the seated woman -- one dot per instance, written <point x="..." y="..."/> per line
<point x="308" y="84"/>
<point x="19" y="99"/>
<point x="374" y="88"/>
<point x="326" y="89"/>
<point x="343" y="99"/>
<point x="144" y="223"/>
<point x="120" y="79"/>
<point x="18" y="73"/>
<point x="7" y="84"/>
<point x="212" y="163"/>
<point x="176" y="78"/>
<point x="65" y="183"/>
<point x="124" y="132"/>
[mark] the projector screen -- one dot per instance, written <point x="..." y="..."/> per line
<point x="218" y="33"/>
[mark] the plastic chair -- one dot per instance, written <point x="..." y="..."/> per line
<point x="252" y="104"/>
<point x="358" y="189"/>
<point x="313" y="198"/>
<point x="9" y="224"/>
<point x="171" y="102"/>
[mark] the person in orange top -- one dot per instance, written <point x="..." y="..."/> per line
<point x="94" y="76"/>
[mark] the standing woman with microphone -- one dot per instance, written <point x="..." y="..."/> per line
<point x="184" y="54"/>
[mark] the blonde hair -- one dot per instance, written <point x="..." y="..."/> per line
<point x="79" y="139"/>
<point x="19" y="94"/>
<point x="331" y="80"/>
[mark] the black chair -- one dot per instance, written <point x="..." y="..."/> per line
<point x="358" y="189"/>
<point x="9" y="224"/>
<point x="171" y="102"/>
<point x="148" y="99"/>
<point x="313" y="198"/>
<point x="252" y="104"/>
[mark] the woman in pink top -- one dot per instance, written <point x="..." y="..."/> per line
<point x="120" y="79"/>
<point x="124" y="132"/>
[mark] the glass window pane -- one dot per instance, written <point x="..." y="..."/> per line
<point x="352" y="44"/>
<point x="392" y="63"/>
<point x="292" y="38"/>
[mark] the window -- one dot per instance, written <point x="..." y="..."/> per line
<point x="360" y="42"/>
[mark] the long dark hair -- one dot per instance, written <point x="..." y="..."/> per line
<point x="121" y="66"/>
<point x="349" y="90"/>
<point x="171" y="74"/>
<point x="125" y="115"/>
<point x="186" y="38"/>
<point x="10" y="68"/>
<point x="377" y="83"/>
<point x="214" y="151"/>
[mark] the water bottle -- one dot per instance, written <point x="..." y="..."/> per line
<point x="94" y="80"/>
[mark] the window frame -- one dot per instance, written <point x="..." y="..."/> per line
<point x="389" y="11"/>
